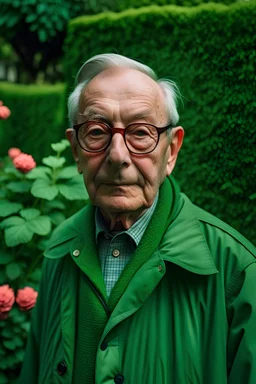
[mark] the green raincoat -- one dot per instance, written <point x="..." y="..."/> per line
<point x="187" y="316"/>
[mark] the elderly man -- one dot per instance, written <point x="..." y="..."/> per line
<point x="140" y="286"/>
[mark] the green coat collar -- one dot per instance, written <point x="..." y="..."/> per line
<point x="183" y="243"/>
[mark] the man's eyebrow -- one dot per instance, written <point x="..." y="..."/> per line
<point x="92" y="115"/>
<point x="140" y="115"/>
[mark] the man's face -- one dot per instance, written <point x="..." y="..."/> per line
<point x="123" y="184"/>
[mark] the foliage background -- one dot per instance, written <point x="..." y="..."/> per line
<point x="36" y="29"/>
<point x="212" y="58"/>
<point x="31" y="205"/>
<point x="38" y="117"/>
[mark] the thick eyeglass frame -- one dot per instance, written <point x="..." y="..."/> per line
<point x="122" y="131"/>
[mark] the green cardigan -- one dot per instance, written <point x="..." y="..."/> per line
<point x="187" y="314"/>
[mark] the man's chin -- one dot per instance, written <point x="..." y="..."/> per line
<point x="118" y="204"/>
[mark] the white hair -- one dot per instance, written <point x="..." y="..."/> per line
<point x="99" y="63"/>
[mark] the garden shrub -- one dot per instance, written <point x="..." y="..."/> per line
<point x="34" y="199"/>
<point x="93" y="7"/>
<point x="38" y="117"/>
<point x="209" y="51"/>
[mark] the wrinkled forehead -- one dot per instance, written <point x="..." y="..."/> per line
<point x="120" y="84"/>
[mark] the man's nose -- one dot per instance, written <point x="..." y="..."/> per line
<point x="118" y="154"/>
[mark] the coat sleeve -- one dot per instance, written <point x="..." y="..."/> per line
<point x="241" y="347"/>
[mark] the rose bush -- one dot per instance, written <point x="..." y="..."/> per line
<point x="26" y="298"/>
<point x="24" y="162"/>
<point x="33" y="200"/>
<point x="14" y="152"/>
<point x="4" y="111"/>
<point x="7" y="299"/>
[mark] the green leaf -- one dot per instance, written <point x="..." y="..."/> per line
<point x="42" y="244"/>
<point x="74" y="189"/>
<point x="31" y="17"/>
<point x="18" y="341"/>
<point x="44" y="190"/>
<point x="18" y="235"/>
<point x="19" y="186"/>
<point x="67" y="172"/>
<point x="18" y="317"/>
<point x="54" y="204"/>
<point x="7" y="333"/>
<point x="39" y="173"/>
<point x="9" y="344"/>
<point x="29" y="213"/>
<point x="41" y="8"/>
<point x="19" y="353"/>
<point x="11" y="221"/>
<point x="10" y="170"/>
<point x="25" y="326"/>
<point x="13" y="271"/>
<point x="57" y="217"/>
<point x="61" y="146"/>
<point x="40" y="225"/>
<point x="3" y="194"/>
<point x="42" y="35"/>
<point x="5" y="257"/>
<point x="54" y="162"/>
<point x="7" y="208"/>
<point x="36" y="275"/>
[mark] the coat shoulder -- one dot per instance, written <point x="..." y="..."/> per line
<point x="59" y="242"/>
<point x="211" y="225"/>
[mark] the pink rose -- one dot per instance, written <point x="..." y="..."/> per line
<point x="7" y="299"/>
<point x="26" y="298"/>
<point x="24" y="163"/>
<point x="4" y="112"/>
<point x="14" y="152"/>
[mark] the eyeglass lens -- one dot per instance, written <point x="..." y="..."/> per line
<point x="139" y="138"/>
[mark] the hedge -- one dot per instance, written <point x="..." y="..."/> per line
<point x="209" y="51"/>
<point x="119" y="6"/>
<point x="38" y="117"/>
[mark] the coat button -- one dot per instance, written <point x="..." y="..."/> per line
<point x="61" y="368"/>
<point x="104" y="346"/>
<point x="119" y="379"/>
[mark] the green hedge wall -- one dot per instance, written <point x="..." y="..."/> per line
<point x="38" y="117"/>
<point x="119" y="6"/>
<point x="209" y="51"/>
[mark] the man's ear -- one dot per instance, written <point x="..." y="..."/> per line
<point x="70" y="135"/>
<point x="177" y="135"/>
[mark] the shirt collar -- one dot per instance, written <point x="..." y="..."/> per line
<point x="136" y="231"/>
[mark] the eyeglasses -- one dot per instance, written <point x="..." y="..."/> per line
<point x="139" y="138"/>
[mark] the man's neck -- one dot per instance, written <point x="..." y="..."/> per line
<point x="121" y="221"/>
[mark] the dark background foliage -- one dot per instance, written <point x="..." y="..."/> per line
<point x="212" y="58"/>
<point x="36" y="29"/>
<point x="37" y="119"/>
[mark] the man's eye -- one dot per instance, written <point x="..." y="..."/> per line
<point x="141" y="132"/>
<point x="94" y="132"/>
